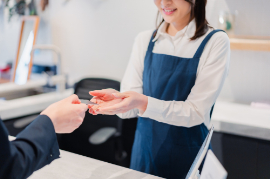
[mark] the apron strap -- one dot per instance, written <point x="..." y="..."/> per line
<point x="204" y="42"/>
<point x="151" y="43"/>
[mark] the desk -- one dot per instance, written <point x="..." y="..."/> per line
<point x="73" y="166"/>
<point x="30" y="105"/>
<point x="241" y="119"/>
<point x="2" y="80"/>
<point x="242" y="139"/>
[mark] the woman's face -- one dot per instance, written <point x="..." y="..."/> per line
<point x="174" y="11"/>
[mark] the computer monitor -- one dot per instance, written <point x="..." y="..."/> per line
<point x="200" y="156"/>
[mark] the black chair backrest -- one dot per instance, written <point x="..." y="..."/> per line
<point x="78" y="141"/>
<point x="83" y="87"/>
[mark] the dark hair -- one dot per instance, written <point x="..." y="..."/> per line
<point x="197" y="12"/>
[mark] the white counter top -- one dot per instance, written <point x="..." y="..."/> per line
<point x="241" y="119"/>
<point x="75" y="166"/>
<point x="30" y="105"/>
<point x="37" y="80"/>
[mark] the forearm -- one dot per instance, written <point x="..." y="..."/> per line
<point x="178" y="113"/>
<point x="34" y="147"/>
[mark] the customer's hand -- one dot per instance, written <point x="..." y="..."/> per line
<point x="104" y="98"/>
<point x="129" y="101"/>
<point x="67" y="114"/>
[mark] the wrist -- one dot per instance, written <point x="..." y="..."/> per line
<point x="143" y="104"/>
<point x="50" y="116"/>
<point x="50" y="119"/>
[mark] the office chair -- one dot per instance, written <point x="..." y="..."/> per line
<point x="99" y="136"/>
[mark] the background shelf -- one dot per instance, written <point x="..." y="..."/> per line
<point x="250" y="43"/>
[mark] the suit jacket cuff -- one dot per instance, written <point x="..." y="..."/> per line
<point x="46" y="146"/>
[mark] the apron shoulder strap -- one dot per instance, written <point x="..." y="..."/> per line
<point x="151" y="43"/>
<point x="204" y="42"/>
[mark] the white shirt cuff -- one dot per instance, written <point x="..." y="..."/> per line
<point x="130" y="114"/>
<point x="154" y="109"/>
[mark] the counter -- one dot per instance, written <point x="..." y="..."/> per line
<point x="30" y="105"/>
<point x="241" y="119"/>
<point x="79" y="167"/>
<point x="75" y="166"/>
<point x="241" y="140"/>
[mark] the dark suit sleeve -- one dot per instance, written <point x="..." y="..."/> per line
<point x="34" y="147"/>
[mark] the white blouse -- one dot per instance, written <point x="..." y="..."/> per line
<point x="212" y="70"/>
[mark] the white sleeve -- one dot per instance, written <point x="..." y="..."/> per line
<point x="132" y="80"/>
<point x="210" y="79"/>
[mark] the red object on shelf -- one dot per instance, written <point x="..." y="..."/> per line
<point x="6" y="69"/>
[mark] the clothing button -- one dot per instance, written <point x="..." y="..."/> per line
<point x="51" y="155"/>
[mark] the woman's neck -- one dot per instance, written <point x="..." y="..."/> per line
<point x="174" y="27"/>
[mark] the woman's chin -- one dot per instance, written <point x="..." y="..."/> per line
<point x="168" y="20"/>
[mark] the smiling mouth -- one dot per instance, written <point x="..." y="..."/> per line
<point x="169" y="11"/>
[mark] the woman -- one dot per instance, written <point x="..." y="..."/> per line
<point x="173" y="79"/>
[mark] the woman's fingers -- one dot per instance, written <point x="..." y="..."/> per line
<point x="103" y="104"/>
<point x="122" y="105"/>
<point x="108" y="113"/>
<point x="120" y="95"/>
<point x="92" y="109"/>
<point x="112" y="112"/>
<point x="99" y="93"/>
<point x="97" y="100"/>
<point x="102" y="93"/>
<point x="116" y="112"/>
<point x="105" y="94"/>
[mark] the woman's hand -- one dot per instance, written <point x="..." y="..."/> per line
<point x="104" y="98"/>
<point x="104" y="95"/>
<point x="122" y="103"/>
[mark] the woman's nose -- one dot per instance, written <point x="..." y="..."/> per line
<point x="166" y="2"/>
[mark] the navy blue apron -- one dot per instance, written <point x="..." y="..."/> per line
<point x="161" y="149"/>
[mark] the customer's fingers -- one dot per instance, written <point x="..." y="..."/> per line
<point x="80" y="108"/>
<point x="84" y="107"/>
<point x="74" y="99"/>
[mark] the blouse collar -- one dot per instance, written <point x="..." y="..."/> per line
<point x="188" y="31"/>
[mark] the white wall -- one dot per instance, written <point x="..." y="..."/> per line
<point x="96" y="37"/>
<point x="249" y="77"/>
